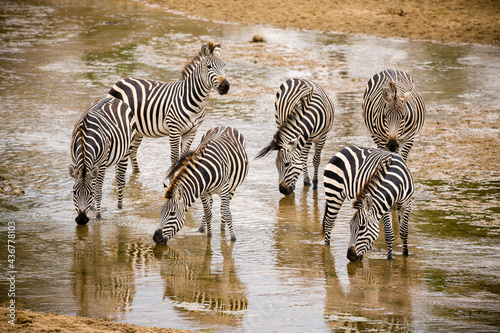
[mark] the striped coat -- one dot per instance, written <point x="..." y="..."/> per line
<point x="218" y="166"/>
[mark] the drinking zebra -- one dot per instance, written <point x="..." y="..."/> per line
<point x="393" y="111"/>
<point x="376" y="181"/>
<point x="304" y="115"/>
<point x="176" y="108"/>
<point x="101" y="138"/>
<point x="218" y="166"/>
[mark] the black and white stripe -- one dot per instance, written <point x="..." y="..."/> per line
<point x="218" y="166"/>
<point x="304" y="115"/>
<point x="377" y="182"/>
<point x="101" y="138"/>
<point x="176" y="108"/>
<point x="393" y="111"/>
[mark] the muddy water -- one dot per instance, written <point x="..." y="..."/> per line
<point x="58" y="56"/>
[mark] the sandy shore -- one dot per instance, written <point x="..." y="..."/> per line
<point x="454" y="21"/>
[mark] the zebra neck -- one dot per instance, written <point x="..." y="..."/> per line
<point x="197" y="87"/>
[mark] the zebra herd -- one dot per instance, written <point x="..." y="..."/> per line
<point x="375" y="180"/>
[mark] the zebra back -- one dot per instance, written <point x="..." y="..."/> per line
<point x="220" y="158"/>
<point x="393" y="110"/>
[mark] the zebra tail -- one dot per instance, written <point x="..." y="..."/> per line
<point x="270" y="147"/>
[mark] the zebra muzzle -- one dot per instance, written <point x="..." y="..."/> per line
<point x="284" y="189"/>
<point x="351" y="254"/>
<point x="223" y="86"/>
<point x="82" y="218"/>
<point x="158" y="237"/>
<point x="392" y="145"/>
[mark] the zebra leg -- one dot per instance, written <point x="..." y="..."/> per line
<point x="133" y="152"/>
<point x="303" y="158"/>
<point x="98" y="191"/>
<point x="331" y="211"/>
<point x="175" y="140"/>
<point x="405" y="149"/>
<point x="403" y="215"/>
<point x="389" y="233"/>
<point x="207" y="201"/>
<point x="187" y="139"/>
<point x="317" y="160"/>
<point x="120" y="170"/>
<point x="226" y="213"/>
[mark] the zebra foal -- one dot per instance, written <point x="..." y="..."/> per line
<point x="393" y="111"/>
<point x="304" y="115"/>
<point x="218" y="166"/>
<point x="101" y="138"/>
<point x="377" y="182"/>
<point x="177" y="108"/>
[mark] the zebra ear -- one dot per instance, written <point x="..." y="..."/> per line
<point x="94" y="173"/>
<point x="390" y="92"/>
<point x="217" y="50"/>
<point x="367" y="204"/>
<point x="205" y="50"/>
<point x="406" y="96"/>
<point x="72" y="171"/>
<point x="293" y="143"/>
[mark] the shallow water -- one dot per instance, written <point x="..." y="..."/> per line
<point x="56" y="57"/>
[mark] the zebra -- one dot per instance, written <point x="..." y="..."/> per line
<point x="101" y="138"/>
<point x="376" y="181"/>
<point x="218" y="166"/>
<point x="176" y="108"/>
<point x="304" y="115"/>
<point x="393" y="111"/>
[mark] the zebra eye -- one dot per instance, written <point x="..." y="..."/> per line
<point x="287" y="164"/>
<point x="209" y="66"/>
<point x="172" y="213"/>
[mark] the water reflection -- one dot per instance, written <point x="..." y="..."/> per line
<point x="103" y="283"/>
<point x="201" y="284"/>
<point x="377" y="297"/>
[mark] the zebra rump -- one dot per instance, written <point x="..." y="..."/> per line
<point x="218" y="166"/>
<point x="376" y="181"/>
<point x="101" y="138"/>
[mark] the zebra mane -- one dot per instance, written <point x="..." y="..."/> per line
<point x="187" y="69"/>
<point x="178" y="170"/>
<point x="376" y="174"/>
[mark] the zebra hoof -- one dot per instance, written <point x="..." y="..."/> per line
<point x="233" y="238"/>
<point x="201" y="229"/>
<point x="98" y="216"/>
<point x="405" y="252"/>
<point x="389" y="256"/>
<point x="307" y="182"/>
<point x="120" y="206"/>
<point x="315" y="186"/>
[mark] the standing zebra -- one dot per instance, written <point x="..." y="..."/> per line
<point x="176" y="108"/>
<point x="218" y="166"/>
<point x="393" y="111"/>
<point x="101" y="138"/>
<point x="304" y="115"/>
<point x="376" y="181"/>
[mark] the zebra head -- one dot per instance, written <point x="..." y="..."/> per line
<point x="173" y="214"/>
<point x="287" y="161"/>
<point x="83" y="191"/>
<point x="214" y="67"/>
<point x="364" y="229"/>
<point x="394" y="113"/>
<point x="289" y="166"/>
